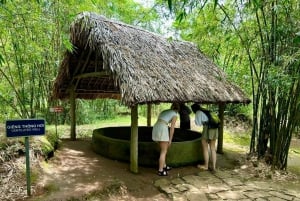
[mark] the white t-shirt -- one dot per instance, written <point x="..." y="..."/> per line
<point x="200" y="118"/>
<point x="167" y="115"/>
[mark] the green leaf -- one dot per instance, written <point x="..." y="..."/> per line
<point x="296" y="41"/>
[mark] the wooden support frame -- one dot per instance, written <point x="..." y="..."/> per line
<point x="149" y="108"/>
<point x="221" y="128"/>
<point x="73" y="113"/>
<point x="134" y="140"/>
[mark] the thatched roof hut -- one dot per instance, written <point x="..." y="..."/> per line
<point x="115" y="60"/>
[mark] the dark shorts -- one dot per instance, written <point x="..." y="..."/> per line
<point x="210" y="134"/>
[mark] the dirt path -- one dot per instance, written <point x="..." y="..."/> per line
<point x="77" y="173"/>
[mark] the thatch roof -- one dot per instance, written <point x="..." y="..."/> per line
<point x="115" y="60"/>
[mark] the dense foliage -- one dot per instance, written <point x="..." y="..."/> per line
<point x="257" y="43"/>
<point x="32" y="44"/>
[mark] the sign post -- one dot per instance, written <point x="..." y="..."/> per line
<point x="56" y="109"/>
<point x="28" y="180"/>
<point x="25" y="128"/>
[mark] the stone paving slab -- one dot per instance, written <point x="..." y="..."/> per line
<point x="178" y="197"/>
<point x="275" y="199"/>
<point x="281" y="195"/>
<point x="177" y="181"/>
<point x="224" y="185"/>
<point x="231" y="195"/>
<point x="214" y="188"/>
<point x="196" y="196"/>
<point x="233" y="181"/>
<point x="254" y="195"/>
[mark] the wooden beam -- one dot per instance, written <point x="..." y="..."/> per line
<point x="221" y="128"/>
<point x="134" y="140"/>
<point x="149" y="114"/>
<point x="93" y="74"/>
<point x="83" y="67"/>
<point x="78" y="64"/>
<point x="73" y="113"/>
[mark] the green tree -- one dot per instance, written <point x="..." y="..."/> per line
<point x="268" y="36"/>
<point x="35" y="37"/>
<point x="25" y="84"/>
<point x="276" y="100"/>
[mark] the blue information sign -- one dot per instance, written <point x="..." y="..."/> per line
<point x="25" y="127"/>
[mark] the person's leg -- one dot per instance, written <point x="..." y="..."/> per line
<point x="212" y="145"/>
<point x="205" y="154"/>
<point x="163" y="152"/>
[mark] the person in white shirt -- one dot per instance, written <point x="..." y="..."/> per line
<point x="208" y="139"/>
<point x="162" y="135"/>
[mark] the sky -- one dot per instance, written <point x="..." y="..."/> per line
<point x="146" y="3"/>
<point x="166" y="25"/>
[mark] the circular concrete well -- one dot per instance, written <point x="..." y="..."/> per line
<point x="114" y="143"/>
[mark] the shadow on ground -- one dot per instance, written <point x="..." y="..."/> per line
<point x="77" y="172"/>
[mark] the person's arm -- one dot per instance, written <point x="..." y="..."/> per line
<point x="172" y="128"/>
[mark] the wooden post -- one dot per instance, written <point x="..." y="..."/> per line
<point x="134" y="140"/>
<point x="221" y="128"/>
<point x="28" y="178"/>
<point x="149" y="114"/>
<point x="72" y="113"/>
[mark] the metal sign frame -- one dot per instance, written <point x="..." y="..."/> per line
<point x="25" y="127"/>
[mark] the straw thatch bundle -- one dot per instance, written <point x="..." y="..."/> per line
<point x="116" y="60"/>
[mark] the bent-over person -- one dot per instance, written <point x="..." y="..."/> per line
<point x="164" y="137"/>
